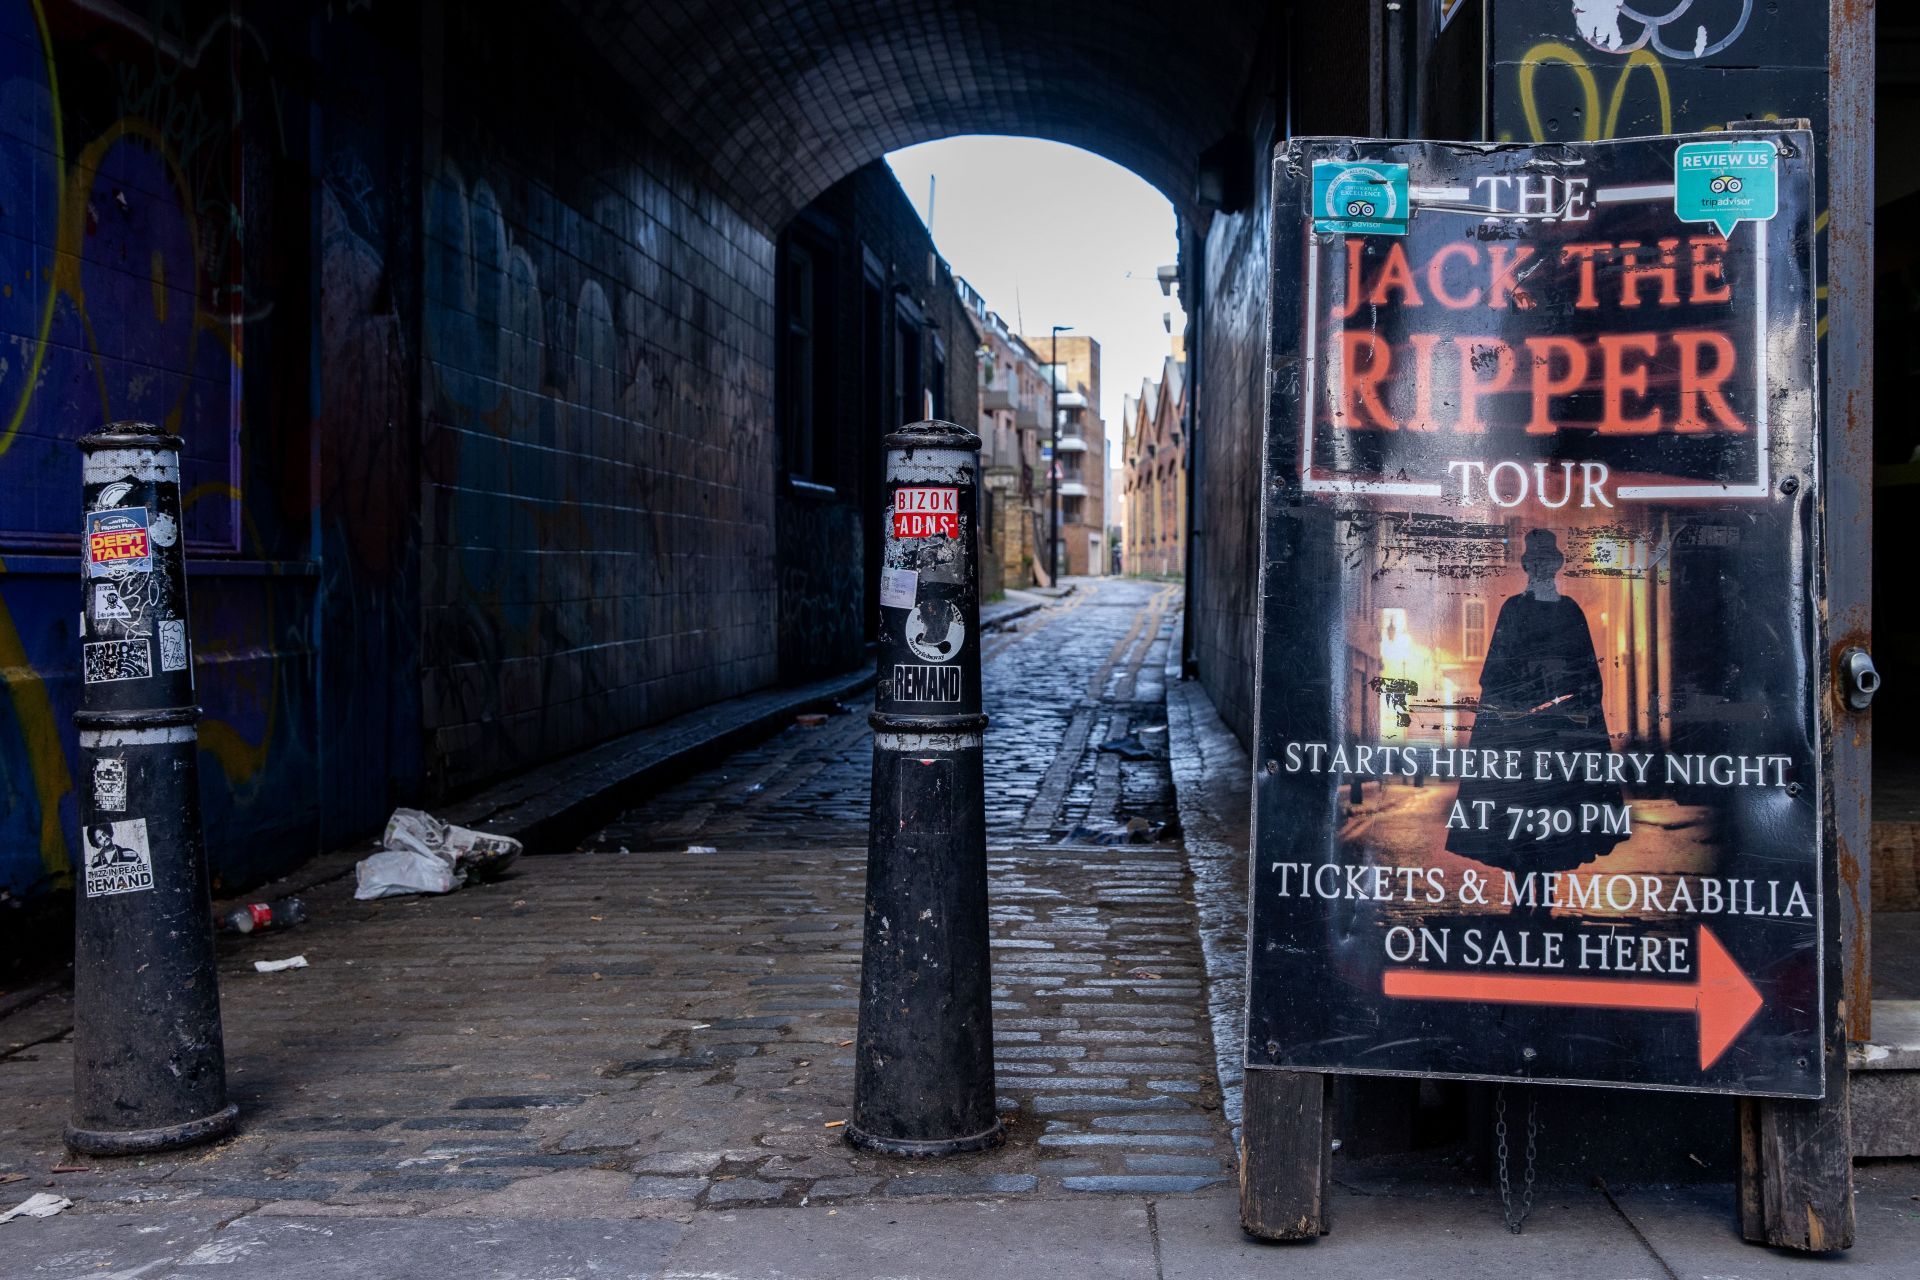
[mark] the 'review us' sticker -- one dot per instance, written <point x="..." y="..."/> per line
<point x="1725" y="183"/>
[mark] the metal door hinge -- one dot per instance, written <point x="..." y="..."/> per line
<point x="1861" y="677"/>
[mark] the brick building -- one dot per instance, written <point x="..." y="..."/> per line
<point x="478" y="329"/>
<point x="1012" y="393"/>
<point x="1082" y="467"/>
<point x="1155" y="460"/>
<point x="872" y="334"/>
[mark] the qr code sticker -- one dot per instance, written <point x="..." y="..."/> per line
<point x="106" y="661"/>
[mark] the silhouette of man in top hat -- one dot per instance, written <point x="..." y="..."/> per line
<point x="1540" y="690"/>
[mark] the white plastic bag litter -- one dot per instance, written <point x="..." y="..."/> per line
<point x="426" y="855"/>
<point x="43" y="1205"/>
<point x="393" y="872"/>
<point x="476" y="854"/>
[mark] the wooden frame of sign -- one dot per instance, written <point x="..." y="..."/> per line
<point x="1530" y="406"/>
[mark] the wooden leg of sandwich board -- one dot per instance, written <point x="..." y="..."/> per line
<point x="1286" y="1155"/>
<point x="1796" y="1165"/>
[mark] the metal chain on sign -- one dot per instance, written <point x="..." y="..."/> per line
<point x="1515" y="1217"/>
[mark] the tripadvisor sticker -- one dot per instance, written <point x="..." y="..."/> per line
<point x="1360" y="198"/>
<point x="1725" y="183"/>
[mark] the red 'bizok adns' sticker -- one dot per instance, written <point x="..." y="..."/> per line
<point x="926" y="513"/>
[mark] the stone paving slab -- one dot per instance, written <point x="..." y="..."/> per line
<point x="1213" y="780"/>
<point x="641" y="1030"/>
<point x="1409" y="1236"/>
<point x="267" y="1248"/>
<point x="556" y="801"/>
<point x="627" y="1060"/>
<point x="1693" y="1229"/>
<point x="1415" y="1233"/>
<point x="968" y="1240"/>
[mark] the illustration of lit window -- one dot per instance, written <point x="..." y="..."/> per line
<point x="1473" y="629"/>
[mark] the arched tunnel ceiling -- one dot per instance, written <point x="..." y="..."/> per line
<point x="780" y="99"/>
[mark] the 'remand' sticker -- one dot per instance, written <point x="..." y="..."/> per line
<point x="117" y="542"/>
<point x="926" y="684"/>
<point x="105" y="661"/>
<point x="926" y="512"/>
<point x="118" y="859"/>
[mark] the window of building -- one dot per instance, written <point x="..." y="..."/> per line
<point x="873" y="420"/>
<point x="938" y="390"/>
<point x="806" y="360"/>
<point x="909" y="382"/>
<point x="1473" y="629"/>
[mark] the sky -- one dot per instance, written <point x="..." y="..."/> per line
<point x="1050" y="234"/>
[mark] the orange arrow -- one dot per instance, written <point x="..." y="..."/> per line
<point x="1723" y="999"/>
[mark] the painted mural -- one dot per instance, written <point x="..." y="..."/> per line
<point x="596" y="481"/>
<point x="145" y="153"/>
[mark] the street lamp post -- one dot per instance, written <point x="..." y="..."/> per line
<point x="1053" y="466"/>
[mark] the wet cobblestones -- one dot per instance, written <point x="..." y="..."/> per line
<point x="639" y="1030"/>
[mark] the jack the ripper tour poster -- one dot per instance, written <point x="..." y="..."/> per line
<point x="1537" y="790"/>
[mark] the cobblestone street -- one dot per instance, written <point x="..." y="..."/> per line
<point x="662" y="1020"/>
<point x="633" y="1059"/>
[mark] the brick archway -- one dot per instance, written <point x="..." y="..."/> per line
<point x="779" y="99"/>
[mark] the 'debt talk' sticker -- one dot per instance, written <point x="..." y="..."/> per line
<point x="1725" y="183"/>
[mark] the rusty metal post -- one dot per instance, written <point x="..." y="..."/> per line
<point x="149" y="1066"/>
<point x="1796" y="1158"/>
<point x="923" y="1075"/>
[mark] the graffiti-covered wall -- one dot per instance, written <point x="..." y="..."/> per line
<point x="138" y="280"/>
<point x="474" y="378"/>
<point x="1597" y="70"/>
<point x="597" y="500"/>
<point x="1311" y="75"/>
<point x="179" y="183"/>
<point x="892" y="337"/>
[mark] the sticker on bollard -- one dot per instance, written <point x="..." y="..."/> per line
<point x="117" y="542"/>
<point x="922" y="512"/>
<point x="926" y="684"/>
<point x="923" y="1074"/>
<point x="149" y="1065"/>
<point x="118" y="858"/>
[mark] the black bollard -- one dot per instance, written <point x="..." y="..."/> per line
<point x="149" y="1068"/>
<point x="923" y="1079"/>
